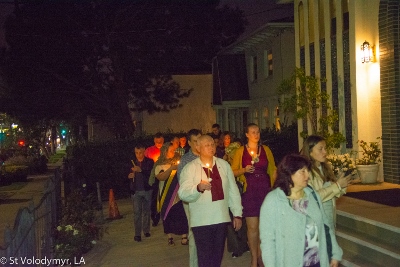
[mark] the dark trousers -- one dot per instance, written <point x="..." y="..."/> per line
<point x="210" y="243"/>
<point x="141" y="211"/>
<point x="155" y="216"/>
<point x="237" y="240"/>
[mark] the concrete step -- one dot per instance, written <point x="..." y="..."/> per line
<point x="366" y="242"/>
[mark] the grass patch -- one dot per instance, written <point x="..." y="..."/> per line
<point x="13" y="186"/>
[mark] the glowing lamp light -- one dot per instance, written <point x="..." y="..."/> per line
<point x="367" y="53"/>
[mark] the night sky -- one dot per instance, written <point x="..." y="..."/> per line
<point x="257" y="12"/>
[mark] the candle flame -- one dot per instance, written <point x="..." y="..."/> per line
<point x="178" y="162"/>
<point x="208" y="165"/>
<point x="252" y="153"/>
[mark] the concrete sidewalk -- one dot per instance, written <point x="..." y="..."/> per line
<point x="117" y="247"/>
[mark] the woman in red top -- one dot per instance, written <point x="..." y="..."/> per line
<point x="254" y="165"/>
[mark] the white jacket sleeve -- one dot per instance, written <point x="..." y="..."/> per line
<point x="188" y="184"/>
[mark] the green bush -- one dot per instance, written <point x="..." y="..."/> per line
<point x="104" y="162"/>
<point x="35" y="164"/>
<point x="14" y="173"/>
<point x="77" y="231"/>
<point x="281" y="142"/>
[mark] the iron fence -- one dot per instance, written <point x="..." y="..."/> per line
<point x="30" y="242"/>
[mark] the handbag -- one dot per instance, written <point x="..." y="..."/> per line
<point x="327" y="228"/>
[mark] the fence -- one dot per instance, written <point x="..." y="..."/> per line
<point x="31" y="238"/>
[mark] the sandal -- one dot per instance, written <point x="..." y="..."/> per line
<point x="171" y="242"/>
<point x="185" y="241"/>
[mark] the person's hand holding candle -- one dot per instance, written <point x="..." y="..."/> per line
<point x="208" y="171"/>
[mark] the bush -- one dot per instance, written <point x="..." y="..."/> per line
<point x="281" y="142"/>
<point x="14" y="173"/>
<point x="105" y="162"/>
<point x="35" y="164"/>
<point x="77" y="231"/>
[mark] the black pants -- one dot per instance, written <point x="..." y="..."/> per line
<point x="155" y="216"/>
<point x="237" y="240"/>
<point x="210" y="243"/>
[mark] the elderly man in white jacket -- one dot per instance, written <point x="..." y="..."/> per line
<point x="208" y="185"/>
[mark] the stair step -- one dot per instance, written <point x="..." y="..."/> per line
<point x="365" y="254"/>
<point x="367" y="239"/>
<point x="372" y="231"/>
<point x="366" y="242"/>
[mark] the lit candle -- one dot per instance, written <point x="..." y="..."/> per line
<point x="208" y="168"/>
<point x="252" y="157"/>
<point x="178" y="162"/>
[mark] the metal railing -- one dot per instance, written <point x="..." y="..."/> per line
<point x="32" y="238"/>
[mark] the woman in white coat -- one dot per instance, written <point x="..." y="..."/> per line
<point x="322" y="178"/>
<point x="292" y="231"/>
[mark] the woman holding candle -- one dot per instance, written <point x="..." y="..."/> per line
<point x="169" y="204"/>
<point x="254" y="165"/>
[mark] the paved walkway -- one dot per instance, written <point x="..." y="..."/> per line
<point x="117" y="247"/>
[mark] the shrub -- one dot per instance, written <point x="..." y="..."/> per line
<point x="107" y="163"/>
<point x="14" y="173"/>
<point x="35" y="164"/>
<point x="281" y="142"/>
<point x="77" y="232"/>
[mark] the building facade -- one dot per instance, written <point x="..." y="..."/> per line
<point x="247" y="74"/>
<point x="329" y="38"/>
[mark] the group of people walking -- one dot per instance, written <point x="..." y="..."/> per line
<point x="287" y="212"/>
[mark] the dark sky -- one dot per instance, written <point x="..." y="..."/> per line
<point x="257" y="12"/>
<point x="5" y="10"/>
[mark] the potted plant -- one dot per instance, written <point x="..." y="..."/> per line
<point x="368" y="165"/>
<point x="342" y="163"/>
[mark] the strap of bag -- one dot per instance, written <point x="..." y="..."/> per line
<point x="327" y="228"/>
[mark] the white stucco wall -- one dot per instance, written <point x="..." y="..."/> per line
<point x="196" y="110"/>
<point x="364" y="77"/>
<point x="263" y="91"/>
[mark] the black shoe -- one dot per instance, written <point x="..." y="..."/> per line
<point x="154" y="224"/>
<point x="147" y="234"/>
<point x="137" y="238"/>
<point x="235" y="255"/>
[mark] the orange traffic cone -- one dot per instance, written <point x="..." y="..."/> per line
<point x="113" y="207"/>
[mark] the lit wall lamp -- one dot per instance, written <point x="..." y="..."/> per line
<point x="367" y="52"/>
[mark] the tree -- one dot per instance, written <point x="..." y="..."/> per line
<point x="107" y="58"/>
<point x="303" y="98"/>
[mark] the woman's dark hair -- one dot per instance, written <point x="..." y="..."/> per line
<point x="308" y="145"/>
<point x="289" y="165"/>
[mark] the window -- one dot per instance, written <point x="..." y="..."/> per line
<point x="253" y="68"/>
<point x="255" y="117"/>
<point x="269" y="66"/>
